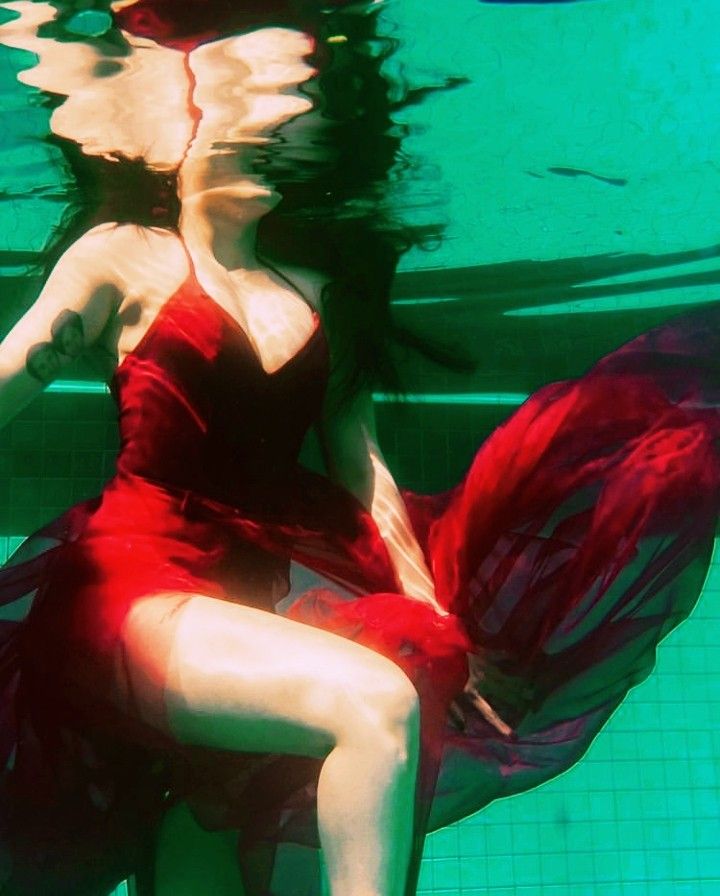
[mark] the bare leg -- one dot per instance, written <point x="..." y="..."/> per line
<point x="239" y="678"/>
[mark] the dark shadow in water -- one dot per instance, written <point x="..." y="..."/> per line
<point x="513" y="352"/>
<point x="583" y="172"/>
<point x="520" y="353"/>
<point x="515" y="355"/>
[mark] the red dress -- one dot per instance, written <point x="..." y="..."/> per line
<point x="577" y="540"/>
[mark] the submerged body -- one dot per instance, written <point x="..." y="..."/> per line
<point x="158" y="596"/>
<point x="578" y="539"/>
<point x="155" y="672"/>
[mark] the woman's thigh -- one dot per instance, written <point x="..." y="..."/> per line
<point x="236" y="678"/>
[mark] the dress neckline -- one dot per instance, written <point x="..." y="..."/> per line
<point x="248" y="341"/>
<point x="192" y="281"/>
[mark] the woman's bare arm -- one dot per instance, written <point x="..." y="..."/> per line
<point x="67" y="317"/>
<point x="354" y="460"/>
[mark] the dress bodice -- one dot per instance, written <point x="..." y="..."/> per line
<point x="199" y="412"/>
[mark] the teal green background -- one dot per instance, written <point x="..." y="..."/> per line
<point x="626" y="90"/>
<point x="540" y="273"/>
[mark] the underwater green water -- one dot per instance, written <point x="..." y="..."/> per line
<point x="578" y="174"/>
<point x="588" y="142"/>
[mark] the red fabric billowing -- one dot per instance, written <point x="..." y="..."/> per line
<point x="578" y="538"/>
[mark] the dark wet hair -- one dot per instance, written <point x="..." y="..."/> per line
<point x="341" y="212"/>
<point x="123" y="190"/>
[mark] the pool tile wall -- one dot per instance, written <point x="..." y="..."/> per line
<point x="638" y="816"/>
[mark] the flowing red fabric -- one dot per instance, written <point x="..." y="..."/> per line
<point x="578" y="538"/>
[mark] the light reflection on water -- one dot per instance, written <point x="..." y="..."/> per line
<point x="584" y="132"/>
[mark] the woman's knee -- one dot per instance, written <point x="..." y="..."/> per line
<point x="383" y="707"/>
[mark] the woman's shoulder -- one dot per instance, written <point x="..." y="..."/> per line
<point x="114" y="240"/>
<point x="129" y="254"/>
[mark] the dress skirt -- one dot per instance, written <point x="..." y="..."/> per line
<point x="579" y="537"/>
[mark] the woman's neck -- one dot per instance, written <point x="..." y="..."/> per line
<point x="217" y="239"/>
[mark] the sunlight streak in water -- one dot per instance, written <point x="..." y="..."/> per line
<point x="636" y="301"/>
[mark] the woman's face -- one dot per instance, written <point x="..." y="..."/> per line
<point x="245" y="88"/>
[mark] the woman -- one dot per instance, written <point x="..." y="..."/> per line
<point x="158" y="592"/>
<point x="124" y="288"/>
